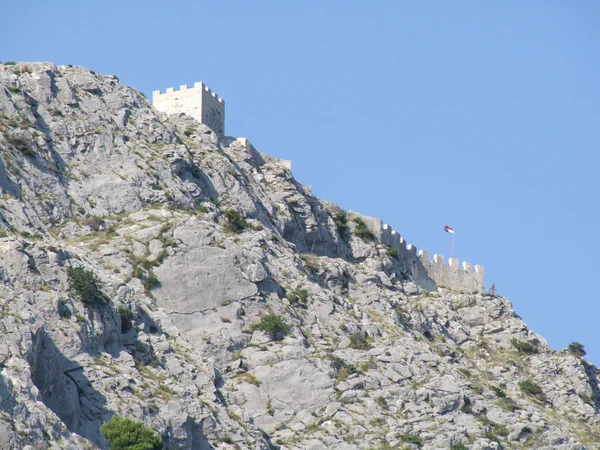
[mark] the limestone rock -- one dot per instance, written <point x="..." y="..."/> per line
<point x="232" y="307"/>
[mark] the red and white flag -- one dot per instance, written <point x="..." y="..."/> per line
<point x="449" y="229"/>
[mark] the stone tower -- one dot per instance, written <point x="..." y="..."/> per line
<point x="198" y="102"/>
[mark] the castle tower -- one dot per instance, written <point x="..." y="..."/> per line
<point x="198" y="102"/>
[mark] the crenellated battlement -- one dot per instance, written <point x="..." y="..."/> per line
<point x="197" y="101"/>
<point x="185" y="87"/>
<point x="427" y="273"/>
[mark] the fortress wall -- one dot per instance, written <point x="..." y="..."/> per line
<point x="213" y="111"/>
<point x="198" y="102"/>
<point x="453" y="276"/>
<point x="426" y="273"/>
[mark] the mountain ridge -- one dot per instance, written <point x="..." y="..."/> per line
<point x="195" y="242"/>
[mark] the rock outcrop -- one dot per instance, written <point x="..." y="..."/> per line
<point x="232" y="308"/>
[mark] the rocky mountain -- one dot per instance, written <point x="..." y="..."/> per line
<point x="154" y="271"/>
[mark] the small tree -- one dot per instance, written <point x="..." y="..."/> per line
<point x="533" y="389"/>
<point x="123" y="433"/>
<point x="577" y="349"/>
<point x="84" y="286"/>
<point x="526" y="347"/>
<point x="236" y="223"/>
<point x="273" y="325"/>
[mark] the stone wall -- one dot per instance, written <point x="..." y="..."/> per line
<point x="198" y="102"/>
<point x="428" y="274"/>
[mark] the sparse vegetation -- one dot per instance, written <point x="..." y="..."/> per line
<point x="150" y="281"/>
<point x="382" y="402"/>
<point x="22" y="145"/>
<point x="411" y="438"/>
<point x="577" y="349"/>
<point x="226" y="439"/>
<point x="235" y="222"/>
<point x="94" y="223"/>
<point x="392" y="252"/>
<point x="533" y="389"/>
<point x="122" y="433"/>
<point x="298" y="296"/>
<point x="499" y="392"/>
<point x="359" y="341"/>
<point x="273" y="325"/>
<point x="362" y="231"/>
<point x="494" y="430"/>
<point x="312" y="262"/>
<point x="342" y="368"/>
<point x="249" y="378"/>
<point x="587" y="399"/>
<point x="84" y="286"/>
<point x="341" y="222"/>
<point x="526" y="347"/>
<point x="377" y="421"/>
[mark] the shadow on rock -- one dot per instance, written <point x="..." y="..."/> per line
<point x="66" y="390"/>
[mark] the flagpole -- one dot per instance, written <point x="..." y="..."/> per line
<point x="453" y="234"/>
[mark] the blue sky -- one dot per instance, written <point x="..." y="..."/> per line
<point x="481" y="115"/>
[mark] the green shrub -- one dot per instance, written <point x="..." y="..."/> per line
<point x="84" y="286"/>
<point x="458" y="446"/>
<point x="392" y="252"/>
<point x="341" y="222"/>
<point x="150" y="281"/>
<point x="358" y="341"/>
<point x="362" y="231"/>
<point x="122" y="433"/>
<point x="499" y="392"/>
<point x="533" y="389"/>
<point x="342" y="368"/>
<point x="411" y="438"/>
<point x="273" y="325"/>
<point x="377" y="421"/>
<point x="577" y="349"/>
<point x="524" y="346"/>
<point x="299" y="296"/>
<point x="494" y="429"/>
<point x="312" y="262"/>
<point x="21" y="144"/>
<point x="94" y="223"/>
<point x="235" y="221"/>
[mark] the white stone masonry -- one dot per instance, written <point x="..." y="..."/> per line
<point x="198" y="102"/>
<point x="428" y="274"/>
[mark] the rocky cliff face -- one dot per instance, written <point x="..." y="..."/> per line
<point x="233" y="308"/>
